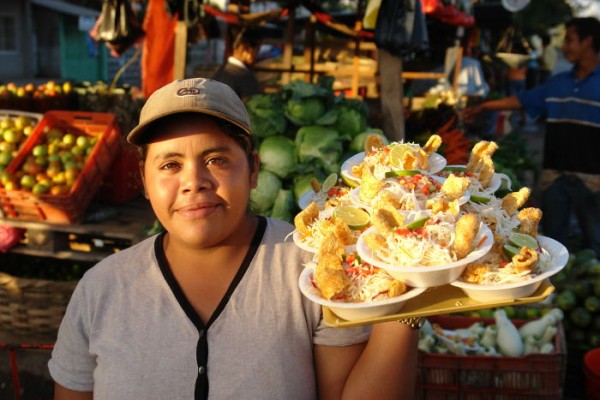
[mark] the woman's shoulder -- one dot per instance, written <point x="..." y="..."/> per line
<point x="127" y="261"/>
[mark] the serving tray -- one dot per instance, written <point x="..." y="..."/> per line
<point x="439" y="300"/>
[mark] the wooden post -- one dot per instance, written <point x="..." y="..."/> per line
<point x="356" y="61"/>
<point x="180" y="50"/>
<point x="288" y="46"/>
<point x="309" y="48"/>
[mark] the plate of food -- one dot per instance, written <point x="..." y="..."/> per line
<point x="517" y="273"/>
<point x="384" y="161"/>
<point x="428" y="252"/>
<point x="350" y="307"/>
<point x="426" y="193"/>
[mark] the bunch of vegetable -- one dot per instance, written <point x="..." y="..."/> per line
<point x="578" y="295"/>
<point x="502" y="338"/>
<point x="303" y="131"/>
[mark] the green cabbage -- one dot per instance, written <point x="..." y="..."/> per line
<point x="302" y="185"/>
<point x="266" y="115"/>
<point x="284" y="207"/>
<point x="319" y="144"/>
<point x="350" y="121"/>
<point x="263" y="196"/>
<point x="304" y="111"/>
<point x="278" y="155"/>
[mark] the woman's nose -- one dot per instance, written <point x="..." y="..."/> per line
<point x="195" y="178"/>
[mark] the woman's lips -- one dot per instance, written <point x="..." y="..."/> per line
<point x="197" y="210"/>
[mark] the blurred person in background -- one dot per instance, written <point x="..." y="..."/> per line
<point x="237" y="71"/>
<point x="570" y="102"/>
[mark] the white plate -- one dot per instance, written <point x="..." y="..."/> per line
<point x="297" y="237"/>
<point x="306" y="199"/>
<point x="486" y="293"/>
<point x="427" y="276"/>
<point x="436" y="163"/>
<point x="354" y="311"/>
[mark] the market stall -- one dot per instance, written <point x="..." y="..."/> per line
<point x="307" y="129"/>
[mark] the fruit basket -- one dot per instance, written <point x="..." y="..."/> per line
<point x="33" y="306"/>
<point x="533" y="376"/>
<point x="60" y="168"/>
<point x="15" y="127"/>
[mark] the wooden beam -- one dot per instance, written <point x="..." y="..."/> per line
<point x="180" y="50"/>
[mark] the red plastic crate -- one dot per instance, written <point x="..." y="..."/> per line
<point x="455" y="377"/>
<point x="67" y="208"/>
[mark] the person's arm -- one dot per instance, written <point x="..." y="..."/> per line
<point x="386" y="368"/>
<point x="506" y="103"/>
<point x="62" y="393"/>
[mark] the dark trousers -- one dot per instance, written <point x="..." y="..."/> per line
<point x="567" y="195"/>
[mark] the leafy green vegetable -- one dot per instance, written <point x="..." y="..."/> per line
<point x="278" y="155"/>
<point x="320" y="144"/>
<point x="350" y="121"/>
<point x="304" y="111"/>
<point x="305" y="102"/>
<point x="302" y="185"/>
<point x="263" y="196"/>
<point x="266" y="114"/>
<point x="284" y="206"/>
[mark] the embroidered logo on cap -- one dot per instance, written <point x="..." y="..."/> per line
<point x="188" y="91"/>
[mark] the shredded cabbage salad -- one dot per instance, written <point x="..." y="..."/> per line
<point x="412" y="192"/>
<point x="427" y="246"/>
<point x="368" y="283"/>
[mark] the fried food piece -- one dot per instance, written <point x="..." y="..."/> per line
<point x="331" y="246"/>
<point x="330" y="277"/>
<point x="305" y="218"/>
<point x="342" y="232"/>
<point x="466" y="230"/>
<point x="433" y="143"/>
<point x="486" y="171"/>
<point x="454" y="187"/>
<point x="424" y="159"/>
<point x="396" y="288"/>
<point x="373" y="143"/>
<point x="369" y="185"/>
<point x="525" y="260"/>
<point x="411" y="160"/>
<point x="388" y="199"/>
<point x="530" y="218"/>
<point x="443" y="206"/>
<point x="374" y="241"/>
<point x="515" y="200"/>
<point x="357" y="170"/>
<point x="315" y="185"/>
<point x="385" y="220"/>
<point x="481" y="149"/>
<point x="474" y="273"/>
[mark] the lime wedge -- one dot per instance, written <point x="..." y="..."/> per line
<point x="355" y="217"/>
<point x="510" y="250"/>
<point x="479" y="199"/>
<point x="455" y="168"/>
<point x="419" y="223"/>
<point x="402" y="172"/>
<point x="522" y="240"/>
<point x="350" y="182"/>
<point x="329" y="182"/>
<point x="397" y="153"/>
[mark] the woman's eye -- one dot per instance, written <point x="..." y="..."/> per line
<point x="169" y="165"/>
<point x="216" y="161"/>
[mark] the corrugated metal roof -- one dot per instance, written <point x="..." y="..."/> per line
<point x="67" y="8"/>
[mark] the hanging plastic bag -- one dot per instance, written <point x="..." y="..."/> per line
<point x="117" y="26"/>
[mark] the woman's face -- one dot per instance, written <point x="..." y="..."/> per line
<point x="198" y="181"/>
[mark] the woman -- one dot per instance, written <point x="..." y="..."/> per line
<point x="211" y="308"/>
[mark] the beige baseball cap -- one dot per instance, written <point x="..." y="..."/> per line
<point x="197" y="95"/>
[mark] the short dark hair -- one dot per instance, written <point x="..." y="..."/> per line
<point x="250" y="37"/>
<point x="587" y="27"/>
<point x="245" y="141"/>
